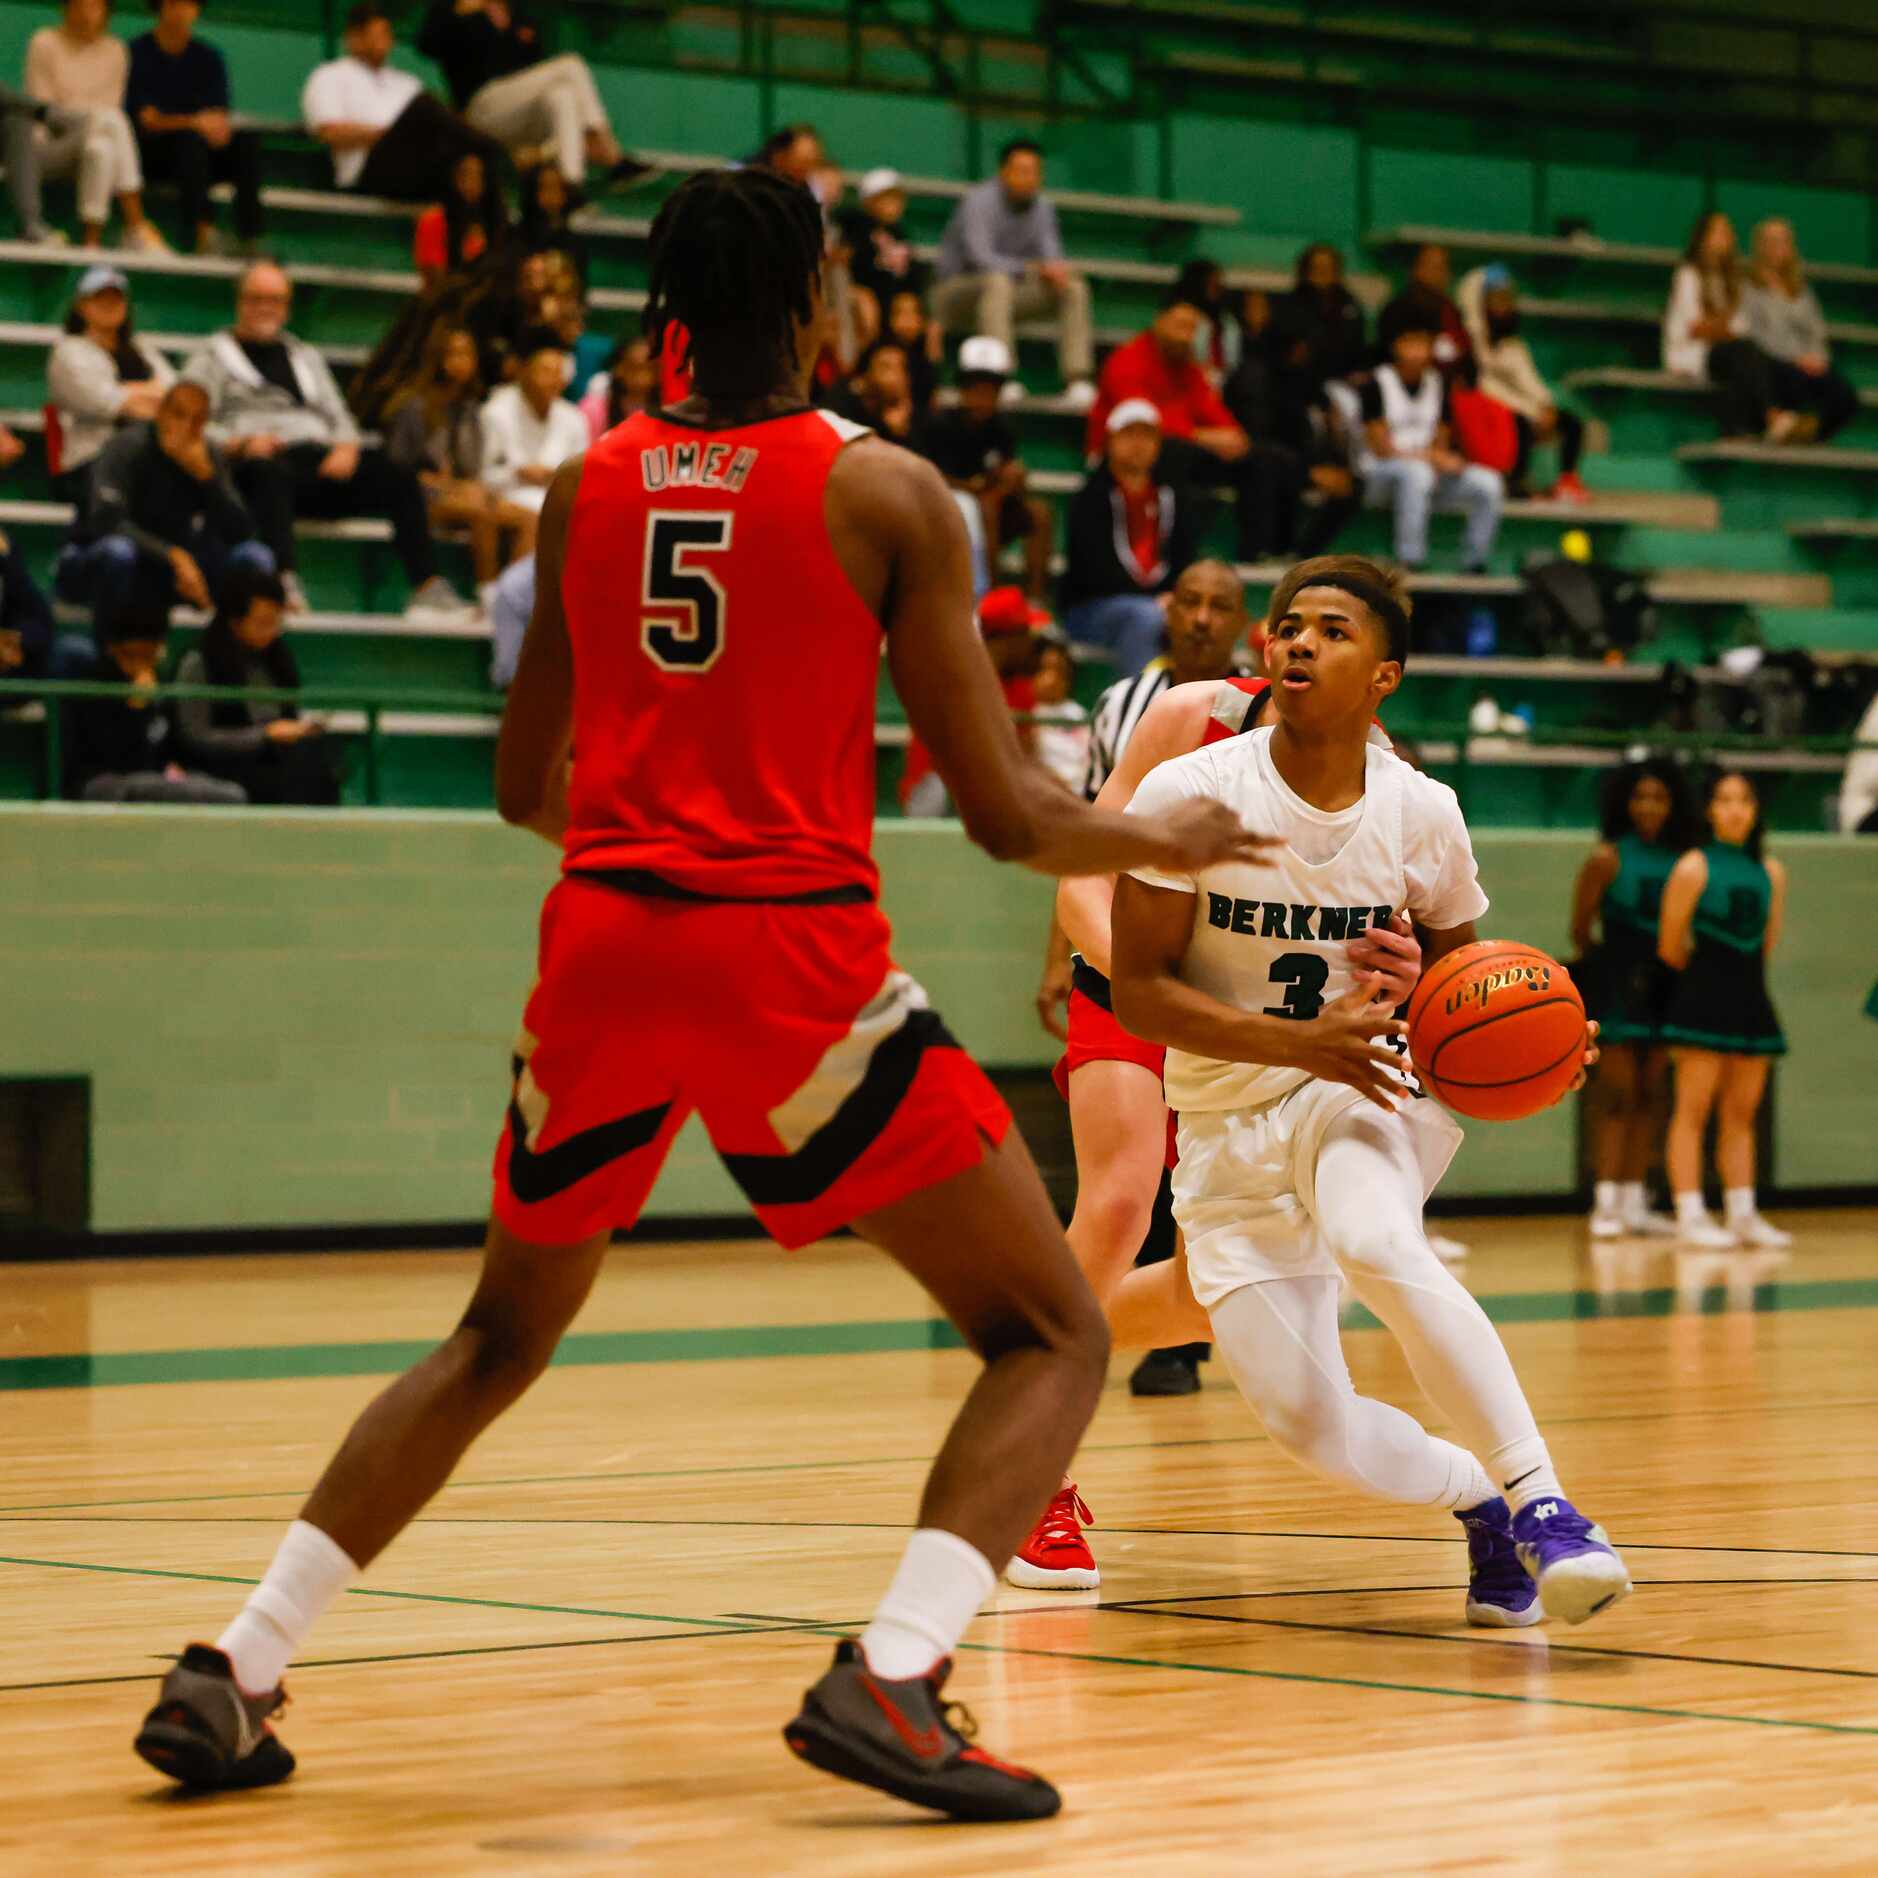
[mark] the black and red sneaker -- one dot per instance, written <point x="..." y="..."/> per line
<point x="904" y="1739"/>
<point x="207" y="1731"/>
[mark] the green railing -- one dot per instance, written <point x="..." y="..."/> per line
<point x="376" y="705"/>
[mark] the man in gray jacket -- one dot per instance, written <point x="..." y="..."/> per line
<point x="277" y="413"/>
<point x="1002" y="261"/>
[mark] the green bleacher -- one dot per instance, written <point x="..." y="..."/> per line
<point x="1165" y="143"/>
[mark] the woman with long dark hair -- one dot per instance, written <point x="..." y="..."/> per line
<point x="549" y="203"/>
<point x="471" y="221"/>
<point x="98" y="377"/>
<point x="1705" y="334"/>
<point x="273" y="752"/>
<point x="1616" y="902"/>
<point x="1721" y="918"/>
<point x="1316" y="333"/>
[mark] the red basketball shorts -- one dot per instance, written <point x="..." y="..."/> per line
<point x="1096" y="1036"/>
<point x="827" y="1085"/>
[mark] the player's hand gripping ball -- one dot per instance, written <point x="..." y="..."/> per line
<point x="1497" y="1030"/>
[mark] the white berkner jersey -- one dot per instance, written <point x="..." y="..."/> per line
<point x="1270" y="936"/>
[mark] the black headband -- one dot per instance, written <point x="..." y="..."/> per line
<point x="1373" y="595"/>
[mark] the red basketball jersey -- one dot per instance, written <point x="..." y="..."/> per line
<point x="724" y="667"/>
<point x="1235" y="707"/>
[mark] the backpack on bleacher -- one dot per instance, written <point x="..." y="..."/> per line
<point x="1582" y="609"/>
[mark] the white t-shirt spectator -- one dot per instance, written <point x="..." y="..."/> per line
<point x="348" y="91"/>
<point x="514" y="438"/>
<point x="1684" y="353"/>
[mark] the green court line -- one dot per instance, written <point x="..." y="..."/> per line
<point x="282" y="1362"/>
<point x="373" y="1591"/>
<point x="1416" y="1688"/>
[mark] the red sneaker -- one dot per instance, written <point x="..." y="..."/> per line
<point x="1056" y="1557"/>
<point x="1569" y="488"/>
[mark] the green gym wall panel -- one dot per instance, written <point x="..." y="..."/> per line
<point x="1296" y="179"/>
<point x="923" y="136"/>
<point x="683" y="110"/>
<point x="1830" y="224"/>
<point x="1449" y="188"/>
<point x="1657" y="207"/>
<point x="294" y="1019"/>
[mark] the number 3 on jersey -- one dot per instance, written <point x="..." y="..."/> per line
<point x="681" y="621"/>
<point x="1302" y="974"/>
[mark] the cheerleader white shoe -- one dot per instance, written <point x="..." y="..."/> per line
<point x="1608" y="1226"/>
<point x="1761" y="1235"/>
<point x="1706" y="1233"/>
<point x="1648" y="1225"/>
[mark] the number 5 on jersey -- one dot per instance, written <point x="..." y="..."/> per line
<point x="681" y="620"/>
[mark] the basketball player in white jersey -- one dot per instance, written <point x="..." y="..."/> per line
<point x="1292" y="1169"/>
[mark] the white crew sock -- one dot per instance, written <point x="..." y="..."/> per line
<point x="1470" y="1484"/>
<point x="1738" y="1205"/>
<point x="1631" y="1200"/>
<point x="1689" y="1207"/>
<point x="486" y="595"/>
<point x="1605" y="1200"/>
<point x="308" y="1572"/>
<point x="1524" y="1470"/>
<point x="941" y="1582"/>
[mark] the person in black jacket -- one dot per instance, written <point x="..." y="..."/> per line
<point x="506" y="87"/>
<point x="1130" y="535"/>
<point x="162" y="509"/>
<point x="274" y="753"/>
<point x="28" y="645"/>
<point x="123" y="749"/>
<point x="1316" y="333"/>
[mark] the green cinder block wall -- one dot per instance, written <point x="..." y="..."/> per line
<point x="298" y="1019"/>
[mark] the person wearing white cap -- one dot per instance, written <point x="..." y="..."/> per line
<point x="98" y="377"/>
<point x="1002" y="261"/>
<point x="881" y="261"/>
<point x="81" y="69"/>
<point x="1131" y="532"/>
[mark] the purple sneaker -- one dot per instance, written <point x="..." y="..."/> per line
<point x="1577" y="1571"/>
<point x="1500" y="1595"/>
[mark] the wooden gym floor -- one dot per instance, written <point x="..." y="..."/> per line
<point x="580" y="1659"/>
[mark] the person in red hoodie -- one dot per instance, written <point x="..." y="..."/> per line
<point x="1202" y="443"/>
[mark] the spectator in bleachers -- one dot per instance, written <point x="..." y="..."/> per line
<point x="1002" y="261"/>
<point x="388" y="135"/>
<point x="434" y="429"/>
<point x="19" y="153"/>
<point x="470" y="222"/>
<point x="545" y="223"/>
<point x="974" y="448"/>
<point x="1059" y="725"/>
<point x="1130" y="535"/>
<point x="1785" y="321"/>
<point x="1705" y="335"/>
<point x="1202" y="443"/>
<point x="124" y="749"/>
<point x="916" y="336"/>
<point x="80" y="69"/>
<point x="506" y="86"/>
<point x="795" y="151"/>
<point x="97" y="378"/>
<point x="880" y="396"/>
<point x="275" y="410"/>
<point x="529" y="431"/>
<point x="1202" y="284"/>
<point x="27" y="637"/>
<point x="881" y="261"/>
<point x="273" y="753"/>
<point x="1409" y="462"/>
<point x="509" y="606"/>
<point x="1426" y="302"/>
<point x="1507" y="373"/>
<point x="1316" y="334"/>
<point x="164" y="519"/>
<point x="177" y="98"/>
<point x="629" y="384"/>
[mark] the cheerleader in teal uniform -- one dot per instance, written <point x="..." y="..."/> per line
<point x="1721" y="918"/>
<point x="1646" y="825"/>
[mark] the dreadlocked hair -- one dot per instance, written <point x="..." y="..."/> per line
<point x="735" y="258"/>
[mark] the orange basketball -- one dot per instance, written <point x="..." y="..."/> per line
<point x="1497" y="1030"/>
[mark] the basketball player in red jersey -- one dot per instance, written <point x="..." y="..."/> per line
<point x="1118" y="1115"/>
<point x="714" y="583"/>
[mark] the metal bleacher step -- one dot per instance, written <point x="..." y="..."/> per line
<point x="1836" y="528"/>
<point x="1817" y="456"/>
<point x="1627" y="378"/>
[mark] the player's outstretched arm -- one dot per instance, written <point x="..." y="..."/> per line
<point x="1153" y="927"/>
<point x="538" y="720"/>
<point x="1011" y="808"/>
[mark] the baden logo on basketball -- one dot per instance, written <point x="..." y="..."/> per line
<point x="1479" y="990"/>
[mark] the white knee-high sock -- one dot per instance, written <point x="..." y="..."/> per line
<point x="1369" y="1202"/>
<point x="308" y="1572"/>
<point x="935" y="1594"/>
<point x="1281" y="1341"/>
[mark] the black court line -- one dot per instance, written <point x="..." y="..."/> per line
<point x="1504" y="1641"/>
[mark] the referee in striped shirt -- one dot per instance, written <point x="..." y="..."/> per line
<point x="1206" y="623"/>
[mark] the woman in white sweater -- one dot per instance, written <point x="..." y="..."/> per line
<point x="1784" y="320"/>
<point x="99" y="376"/>
<point x="1705" y="335"/>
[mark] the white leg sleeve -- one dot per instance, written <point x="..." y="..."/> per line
<point x="1280" y="1340"/>
<point x="1369" y="1204"/>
